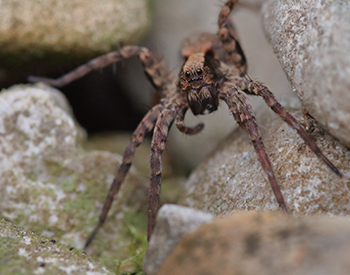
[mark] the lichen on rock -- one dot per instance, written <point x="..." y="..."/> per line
<point x="49" y="184"/>
<point x="24" y="252"/>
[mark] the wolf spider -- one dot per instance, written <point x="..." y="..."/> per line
<point x="214" y="68"/>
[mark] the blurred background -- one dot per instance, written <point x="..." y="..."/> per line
<point x="115" y="99"/>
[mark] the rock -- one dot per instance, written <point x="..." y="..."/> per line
<point x="49" y="184"/>
<point x="310" y="39"/>
<point x="232" y="179"/>
<point x="24" y="252"/>
<point x="48" y="37"/>
<point x="173" y="222"/>
<point x="76" y="26"/>
<point x="264" y="243"/>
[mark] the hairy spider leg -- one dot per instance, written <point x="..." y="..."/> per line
<point x="242" y="111"/>
<point x="145" y="126"/>
<point x="160" y="77"/>
<point x="155" y="68"/>
<point x="230" y="43"/>
<point x="259" y="89"/>
<point x="160" y="134"/>
<point x="179" y="121"/>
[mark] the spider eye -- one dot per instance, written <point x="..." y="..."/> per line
<point x="188" y="74"/>
<point x="199" y="71"/>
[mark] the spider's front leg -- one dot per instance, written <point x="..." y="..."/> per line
<point x="257" y="88"/>
<point x="160" y="135"/>
<point x="242" y="111"/>
<point x="145" y="126"/>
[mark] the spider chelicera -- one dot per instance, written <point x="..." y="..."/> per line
<point x="214" y="68"/>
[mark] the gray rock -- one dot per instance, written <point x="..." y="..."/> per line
<point x="264" y="243"/>
<point x="173" y="222"/>
<point x="24" y="252"/>
<point x="311" y="41"/>
<point x="232" y="179"/>
<point x="75" y="26"/>
<point x="49" y="184"/>
<point x="56" y="34"/>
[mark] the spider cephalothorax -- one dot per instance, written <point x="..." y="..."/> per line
<point x="214" y="68"/>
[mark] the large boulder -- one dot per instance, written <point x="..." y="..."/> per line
<point x="232" y="179"/>
<point x="311" y="41"/>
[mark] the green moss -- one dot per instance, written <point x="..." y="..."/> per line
<point x="135" y="230"/>
<point x="20" y="252"/>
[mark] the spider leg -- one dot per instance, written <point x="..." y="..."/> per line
<point x="158" y="145"/>
<point x="258" y="88"/>
<point x="138" y="136"/>
<point x="179" y="121"/>
<point x="227" y="35"/>
<point x="242" y="111"/>
<point x="155" y="69"/>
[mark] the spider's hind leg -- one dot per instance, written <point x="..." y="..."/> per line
<point x="242" y="111"/>
<point x="228" y="37"/>
<point x="257" y="88"/>
<point x="155" y="69"/>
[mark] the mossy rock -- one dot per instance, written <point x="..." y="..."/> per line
<point x="50" y="185"/>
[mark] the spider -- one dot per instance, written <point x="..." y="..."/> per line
<point x="214" y="69"/>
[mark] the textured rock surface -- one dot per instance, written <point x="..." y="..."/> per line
<point x="45" y="36"/>
<point x="49" y="184"/>
<point x="24" y="252"/>
<point x="264" y="243"/>
<point x="173" y="222"/>
<point x="311" y="40"/>
<point x="232" y="179"/>
<point x="74" y="26"/>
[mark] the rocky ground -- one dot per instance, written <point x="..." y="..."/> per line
<point x="54" y="183"/>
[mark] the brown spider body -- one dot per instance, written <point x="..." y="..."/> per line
<point x="214" y="69"/>
<point x="200" y="83"/>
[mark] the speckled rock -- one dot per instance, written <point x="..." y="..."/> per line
<point x="173" y="222"/>
<point x="264" y="243"/>
<point x="49" y="184"/>
<point x="311" y="41"/>
<point x="24" y="252"/>
<point x="232" y="179"/>
<point x="75" y="26"/>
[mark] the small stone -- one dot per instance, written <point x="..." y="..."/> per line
<point x="173" y="222"/>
